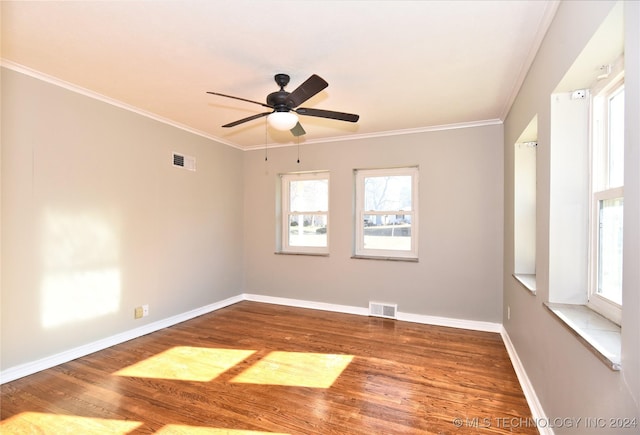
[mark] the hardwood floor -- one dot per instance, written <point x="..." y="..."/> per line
<point x="259" y="368"/>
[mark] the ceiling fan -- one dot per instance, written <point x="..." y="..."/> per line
<point x="284" y="105"/>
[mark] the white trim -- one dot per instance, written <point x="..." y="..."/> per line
<point x="361" y="212"/>
<point x="600" y="149"/>
<point x="29" y="368"/>
<point x="122" y="105"/>
<point x="530" y="395"/>
<point x="33" y="367"/>
<point x="454" y="126"/>
<point x="543" y="26"/>
<point x="364" y="311"/>
<point x="285" y="212"/>
<point x="449" y="322"/>
<point x="299" y="303"/>
<point x="535" y="406"/>
<point x="91" y="94"/>
<point x="22" y="370"/>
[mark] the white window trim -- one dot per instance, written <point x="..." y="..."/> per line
<point x="609" y="309"/>
<point x="360" y="250"/>
<point x="286" y="212"/>
<point x="600" y="304"/>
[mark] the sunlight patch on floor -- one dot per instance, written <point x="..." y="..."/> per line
<point x="185" y="363"/>
<point x="42" y="423"/>
<point x="178" y="429"/>
<point x="295" y="369"/>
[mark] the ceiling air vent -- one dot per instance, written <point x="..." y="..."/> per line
<point x="183" y="161"/>
<point x="378" y="309"/>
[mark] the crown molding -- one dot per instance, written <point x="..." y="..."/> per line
<point x="103" y="98"/>
<point x="458" y="125"/>
<point x="117" y="103"/>
<point x="543" y="26"/>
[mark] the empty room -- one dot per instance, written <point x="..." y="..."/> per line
<point x="320" y="217"/>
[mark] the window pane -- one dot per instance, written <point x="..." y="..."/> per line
<point x="309" y="195"/>
<point x="610" y="249"/>
<point x="616" y="139"/>
<point x="308" y="230"/>
<point x="387" y="193"/>
<point x="388" y="232"/>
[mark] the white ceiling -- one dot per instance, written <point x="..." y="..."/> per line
<point x="403" y="66"/>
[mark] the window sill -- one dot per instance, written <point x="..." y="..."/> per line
<point x="528" y="281"/>
<point x="597" y="333"/>
<point x="309" y="254"/>
<point x="368" y="257"/>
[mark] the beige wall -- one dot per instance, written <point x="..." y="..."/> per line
<point x="96" y="221"/>
<point x="89" y="197"/>
<point x="460" y="247"/>
<point x="568" y="379"/>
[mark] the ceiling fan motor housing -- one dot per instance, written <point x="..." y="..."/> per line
<point x="278" y="100"/>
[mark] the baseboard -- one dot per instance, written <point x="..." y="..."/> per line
<point x="527" y="387"/>
<point x="364" y="311"/>
<point x="530" y="395"/>
<point x="26" y="369"/>
<point x="474" y="325"/>
<point x="30" y="368"/>
<point x="299" y="303"/>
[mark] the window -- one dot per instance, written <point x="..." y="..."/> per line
<point x="586" y="193"/>
<point x="524" y="213"/>
<point x="387" y="213"/>
<point x="305" y="212"/>
<point x="607" y="200"/>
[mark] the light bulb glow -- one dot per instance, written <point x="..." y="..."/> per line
<point x="282" y="120"/>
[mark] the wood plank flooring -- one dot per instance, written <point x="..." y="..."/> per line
<point x="254" y="368"/>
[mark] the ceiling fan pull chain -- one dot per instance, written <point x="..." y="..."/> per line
<point x="265" y="139"/>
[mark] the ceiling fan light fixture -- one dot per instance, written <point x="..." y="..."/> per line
<point x="282" y="120"/>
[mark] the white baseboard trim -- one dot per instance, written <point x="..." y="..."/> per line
<point x="299" y="303"/>
<point x="32" y="367"/>
<point x="29" y="368"/>
<point x="474" y="325"/>
<point x="364" y="311"/>
<point x="527" y="387"/>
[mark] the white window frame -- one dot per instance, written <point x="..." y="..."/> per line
<point x="600" y="190"/>
<point x="360" y="212"/>
<point x="285" y="180"/>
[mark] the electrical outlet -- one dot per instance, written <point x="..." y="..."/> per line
<point x="138" y="313"/>
<point x="508" y="312"/>
<point x="145" y="310"/>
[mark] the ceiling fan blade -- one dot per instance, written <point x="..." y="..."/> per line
<point x="298" y="130"/>
<point x="250" y="118"/>
<point x="340" y="116"/>
<point x="241" y="99"/>
<point x="308" y="89"/>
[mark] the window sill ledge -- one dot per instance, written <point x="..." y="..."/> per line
<point x="528" y="281"/>
<point x="598" y="334"/>
<point x="309" y="254"/>
<point x="368" y="257"/>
